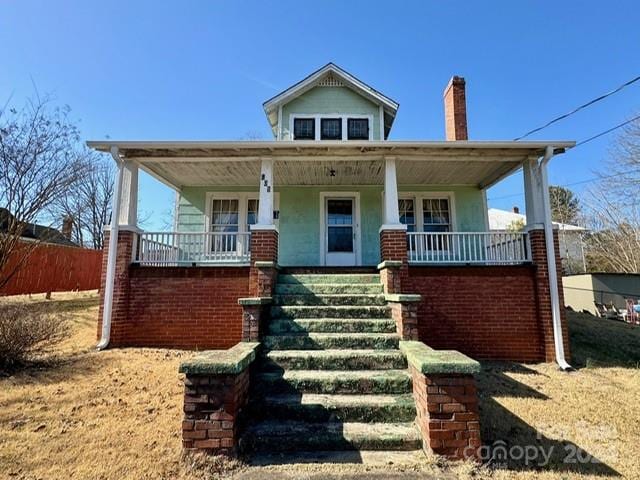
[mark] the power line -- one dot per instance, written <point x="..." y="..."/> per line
<point x="606" y="131"/>
<point x="580" y="182"/>
<point x="575" y="110"/>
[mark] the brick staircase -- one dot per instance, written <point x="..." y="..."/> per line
<point x="331" y="377"/>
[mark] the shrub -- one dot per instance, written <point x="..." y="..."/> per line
<point x="28" y="332"/>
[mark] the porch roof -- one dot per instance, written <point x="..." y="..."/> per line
<point x="211" y="163"/>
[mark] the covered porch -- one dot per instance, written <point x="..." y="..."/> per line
<point x="328" y="201"/>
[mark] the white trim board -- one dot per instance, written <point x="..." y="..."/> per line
<point x="323" y="223"/>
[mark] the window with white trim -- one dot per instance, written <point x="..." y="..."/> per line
<point x="406" y="207"/>
<point x="436" y="215"/>
<point x="331" y="126"/>
<point x="304" y="129"/>
<point x="357" y="129"/>
<point x="330" y="129"/>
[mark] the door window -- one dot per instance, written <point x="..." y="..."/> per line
<point x="339" y="225"/>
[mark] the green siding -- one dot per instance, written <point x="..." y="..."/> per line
<point x="300" y="217"/>
<point x="328" y="100"/>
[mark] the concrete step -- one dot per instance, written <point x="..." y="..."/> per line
<point x="311" y="407"/>
<point x="297" y="436"/>
<point x="290" y="311"/>
<point x="332" y="325"/>
<point x="331" y="382"/>
<point x="338" y="278"/>
<point x="325" y="341"/>
<point x="334" y="360"/>
<point x="327" y="288"/>
<point x="333" y="299"/>
<point x="400" y="463"/>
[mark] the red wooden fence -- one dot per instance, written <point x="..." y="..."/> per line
<point x="55" y="268"/>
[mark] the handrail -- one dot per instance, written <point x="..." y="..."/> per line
<point x="482" y="248"/>
<point x="187" y="248"/>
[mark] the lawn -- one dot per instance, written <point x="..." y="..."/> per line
<point x="116" y="414"/>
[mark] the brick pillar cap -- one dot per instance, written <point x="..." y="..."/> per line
<point x="393" y="226"/>
<point x="257" y="228"/>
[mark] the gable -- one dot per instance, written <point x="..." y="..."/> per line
<point x="331" y="77"/>
<point x="332" y="100"/>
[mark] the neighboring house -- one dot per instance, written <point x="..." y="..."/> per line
<point x="570" y="237"/>
<point x="42" y="233"/>
<point x="329" y="244"/>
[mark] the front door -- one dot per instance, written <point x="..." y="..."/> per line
<point x="340" y="232"/>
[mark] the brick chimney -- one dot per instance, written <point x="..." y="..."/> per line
<point x="455" y="109"/>
<point x="67" y="227"/>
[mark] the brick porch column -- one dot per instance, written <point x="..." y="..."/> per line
<point x="545" y="316"/>
<point x="394" y="266"/>
<point x="127" y="238"/>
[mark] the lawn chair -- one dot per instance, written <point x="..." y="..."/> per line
<point x="632" y="314"/>
<point x="604" y="312"/>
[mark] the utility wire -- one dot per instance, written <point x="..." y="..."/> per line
<point x="582" y="142"/>
<point x="575" y="110"/>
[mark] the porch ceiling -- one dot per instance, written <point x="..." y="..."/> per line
<point x="310" y="163"/>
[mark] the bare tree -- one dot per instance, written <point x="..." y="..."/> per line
<point x="88" y="201"/>
<point x="38" y="163"/>
<point x="614" y="209"/>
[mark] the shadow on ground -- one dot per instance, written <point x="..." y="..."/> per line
<point x="511" y="443"/>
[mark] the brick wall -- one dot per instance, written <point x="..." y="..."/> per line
<point x="484" y="312"/>
<point x="492" y="312"/>
<point x="264" y="248"/>
<point x="174" y="307"/>
<point x="447" y="413"/>
<point x="212" y="405"/>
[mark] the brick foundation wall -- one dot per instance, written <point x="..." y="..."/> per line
<point x="491" y="312"/>
<point x="212" y="405"/>
<point x="173" y="307"/>
<point x="448" y="418"/>
<point x="484" y="312"/>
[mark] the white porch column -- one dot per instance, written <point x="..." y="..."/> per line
<point x="128" y="215"/>
<point x="533" y="194"/>
<point x="391" y="212"/>
<point x="265" y="206"/>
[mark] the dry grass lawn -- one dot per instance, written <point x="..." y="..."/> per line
<point x="116" y="414"/>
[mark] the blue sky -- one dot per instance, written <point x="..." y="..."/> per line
<point x="201" y="70"/>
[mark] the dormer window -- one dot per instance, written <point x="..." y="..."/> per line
<point x="358" y="129"/>
<point x="304" y="129"/>
<point x="331" y="129"/>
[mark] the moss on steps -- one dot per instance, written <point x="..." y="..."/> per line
<point x="324" y="341"/>
<point x="332" y="325"/>
<point x="330" y="312"/>
<point x="312" y="407"/>
<point x="328" y="289"/>
<point x="321" y="381"/>
<point x="348" y="360"/>
<point x="334" y="299"/>
<point x="351" y="278"/>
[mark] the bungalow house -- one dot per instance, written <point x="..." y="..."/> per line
<point x="329" y="244"/>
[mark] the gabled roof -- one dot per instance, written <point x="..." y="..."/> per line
<point x="331" y="74"/>
<point x="33" y="231"/>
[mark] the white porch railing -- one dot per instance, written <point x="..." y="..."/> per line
<point x="181" y="248"/>
<point x="484" y="248"/>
